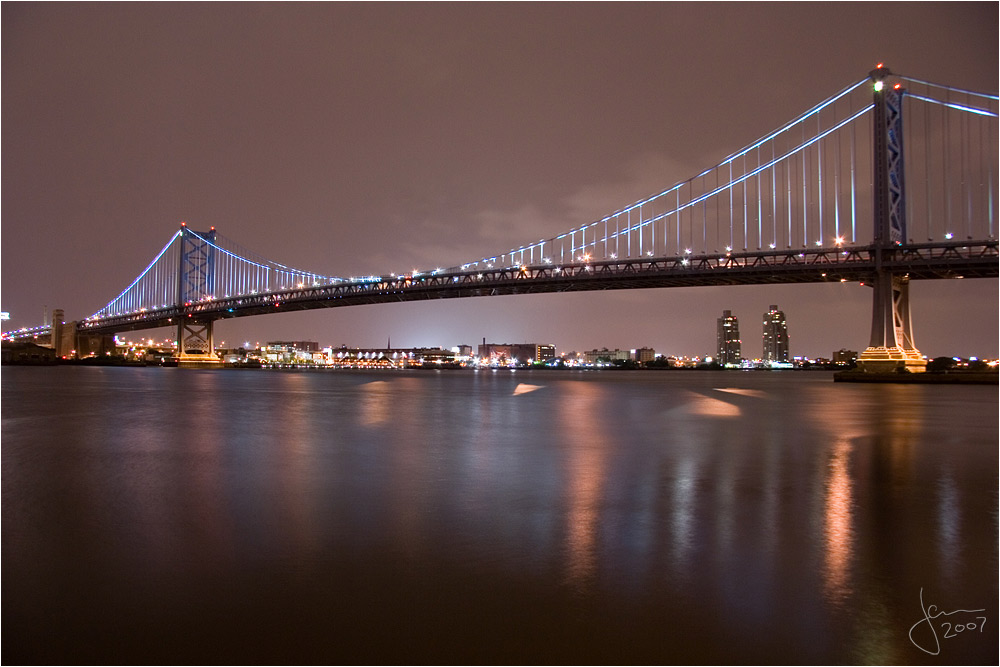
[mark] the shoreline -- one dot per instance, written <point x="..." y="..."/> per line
<point x="952" y="377"/>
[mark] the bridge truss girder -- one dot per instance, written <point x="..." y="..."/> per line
<point x="957" y="259"/>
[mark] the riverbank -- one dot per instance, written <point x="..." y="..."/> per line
<point x="948" y="377"/>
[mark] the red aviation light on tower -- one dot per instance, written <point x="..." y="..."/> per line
<point x="878" y="76"/>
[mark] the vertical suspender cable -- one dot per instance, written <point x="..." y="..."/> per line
<point x="732" y="222"/>
<point x="819" y="177"/>
<point x="666" y="229"/>
<point x="774" y="200"/>
<point x="836" y="189"/>
<point x="618" y="235"/>
<point x="854" y="184"/>
<point x="946" y="158"/>
<point x="652" y="231"/>
<point x="927" y="171"/>
<point x="744" y="202"/>
<point x="704" y="218"/>
<point x="805" y="198"/>
<point x="966" y="185"/>
<point x="760" y="204"/>
<point x="989" y="177"/>
<point x="678" y="210"/>
<point x="641" y="225"/>
<point x="718" y="213"/>
<point x="788" y="177"/>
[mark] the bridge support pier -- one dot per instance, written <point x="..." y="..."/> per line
<point x="891" y="348"/>
<point x="196" y="345"/>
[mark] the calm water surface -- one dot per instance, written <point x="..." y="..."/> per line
<point x="158" y="515"/>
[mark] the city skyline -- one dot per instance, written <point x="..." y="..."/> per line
<point x="775" y="322"/>
<point x="353" y="139"/>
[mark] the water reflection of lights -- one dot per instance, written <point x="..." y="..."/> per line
<point x="949" y="523"/>
<point x="755" y="393"/>
<point x="293" y="474"/>
<point x="374" y="409"/>
<point x="838" y="520"/>
<point x="586" y="469"/>
<point x="682" y="515"/>
<point x="713" y="407"/>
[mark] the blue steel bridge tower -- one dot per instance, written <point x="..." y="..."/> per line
<point x="891" y="346"/>
<point x="195" y="281"/>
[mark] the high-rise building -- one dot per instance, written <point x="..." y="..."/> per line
<point x="728" y="339"/>
<point x="775" y="336"/>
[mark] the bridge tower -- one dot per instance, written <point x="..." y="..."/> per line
<point x="195" y="280"/>
<point x="891" y="346"/>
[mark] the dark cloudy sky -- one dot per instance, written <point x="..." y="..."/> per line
<point x="359" y="139"/>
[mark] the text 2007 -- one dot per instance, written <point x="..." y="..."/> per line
<point x="955" y="629"/>
<point x="931" y="644"/>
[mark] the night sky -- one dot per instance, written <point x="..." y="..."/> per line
<point x="367" y="139"/>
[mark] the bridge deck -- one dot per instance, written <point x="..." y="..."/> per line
<point x="960" y="259"/>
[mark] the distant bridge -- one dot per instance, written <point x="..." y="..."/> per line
<point x="830" y="196"/>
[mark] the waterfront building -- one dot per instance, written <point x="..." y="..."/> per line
<point x="843" y="356"/>
<point x="775" y="336"/>
<point x="412" y="357"/>
<point x="515" y="353"/>
<point x="545" y="353"/>
<point x="292" y="352"/>
<point x="27" y="353"/>
<point x="728" y="339"/>
<point x="605" y="355"/>
<point x="301" y="345"/>
<point x="643" y="354"/>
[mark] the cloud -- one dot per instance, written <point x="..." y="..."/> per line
<point x="492" y="231"/>
<point x="640" y="177"/>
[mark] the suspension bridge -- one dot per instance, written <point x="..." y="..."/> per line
<point x="830" y="196"/>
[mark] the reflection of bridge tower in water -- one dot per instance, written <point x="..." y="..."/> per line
<point x="891" y="346"/>
<point x="195" y="281"/>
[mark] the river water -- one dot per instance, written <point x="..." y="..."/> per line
<point x="164" y="515"/>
